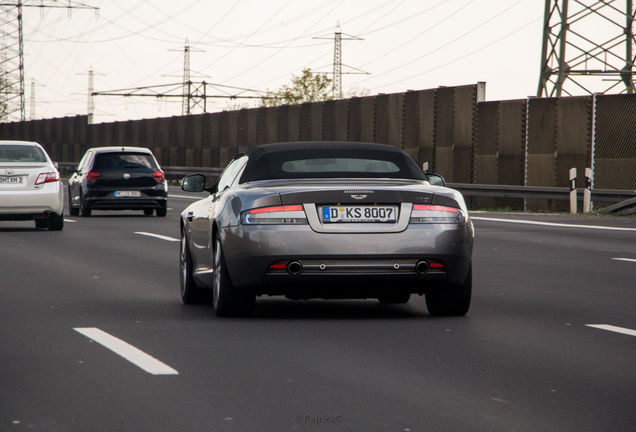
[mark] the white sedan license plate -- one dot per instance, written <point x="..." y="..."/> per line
<point x="17" y="180"/>
<point x="127" y="193"/>
<point x="359" y="213"/>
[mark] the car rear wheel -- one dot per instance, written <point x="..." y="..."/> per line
<point x="163" y="210"/>
<point x="229" y="301"/>
<point x="148" y="212"/>
<point x="71" y="210"/>
<point x="394" y="298"/>
<point x="190" y="292"/>
<point x="453" y="300"/>
<point x="85" y="212"/>
<point x="41" y="223"/>
<point x="56" y="222"/>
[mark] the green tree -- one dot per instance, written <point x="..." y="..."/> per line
<point x="308" y="87"/>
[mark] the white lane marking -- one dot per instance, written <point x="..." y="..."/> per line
<point x="528" y="222"/>
<point x="613" y="329"/>
<point x="624" y="259"/>
<point x="69" y="220"/>
<point x="127" y="351"/>
<point x="186" y="196"/>
<point x="159" y="236"/>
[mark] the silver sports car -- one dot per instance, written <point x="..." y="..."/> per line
<point x="329" y="220"/>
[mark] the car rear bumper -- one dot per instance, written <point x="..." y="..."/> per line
<point x="251" y="250"/>
<point x="33" y="203"/>
<point x="101" y="199"/>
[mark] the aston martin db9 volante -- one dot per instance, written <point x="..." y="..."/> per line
<point x="30" y="186"/>
<point x="330" y="220"/>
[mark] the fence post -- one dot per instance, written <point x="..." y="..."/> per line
<point x="573" y="191"/>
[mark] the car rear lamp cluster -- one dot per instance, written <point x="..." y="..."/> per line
<point x="92" y="176"/>
<point x="48" y="177"/>
<point x="436" y="214"/>
<point x="159" y="176"/>
<point x="275" y="215"/>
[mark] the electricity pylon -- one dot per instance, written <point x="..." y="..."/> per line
<point x="12" y="47"/>
<point x="189" y="101"/>
<point x="587" y="45"/>
<point x="337" y="60"/>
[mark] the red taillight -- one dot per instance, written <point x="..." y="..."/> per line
<point x="91" y="176"/>
<point x="48" y="177"/>
<point x="426" y="207"/>
<point x="277" y="267"/>
<point x="277" y="209"/>
<point x="159" y="176"/>
<point x="436" y="265"/>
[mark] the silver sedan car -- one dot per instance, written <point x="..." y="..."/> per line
<point x="330" y="220"/>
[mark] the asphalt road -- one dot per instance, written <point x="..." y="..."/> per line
<point x="523" y="359"/>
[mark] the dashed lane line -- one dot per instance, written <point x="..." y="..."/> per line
<point x="560" y="225"/>
<point x="612" y="328"/>
<point x="625" y="259"/>
<point x="159" y="236"/>
<point x="127" y="351"/>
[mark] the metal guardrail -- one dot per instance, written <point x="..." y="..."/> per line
<point x="467" y="189"/>
<point x="538" y="192"/>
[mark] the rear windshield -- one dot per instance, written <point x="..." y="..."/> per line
<point x="340" y="165"/>
<point x="331" y="163"/>
<point x="21" y="153"/>
<point x="124" y="162"/>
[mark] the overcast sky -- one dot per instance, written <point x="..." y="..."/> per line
<point x="260" y="44"/>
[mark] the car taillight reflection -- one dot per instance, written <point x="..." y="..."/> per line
<point x="275" y="215"/>
<point x="436" y="214"/>
<point x="159" y="176"/>
<point x="277" y="209"/>
<point x="91" y="176"/>
<point x="48" y="177"/>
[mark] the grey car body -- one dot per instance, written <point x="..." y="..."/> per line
<point x="289" y="219"/>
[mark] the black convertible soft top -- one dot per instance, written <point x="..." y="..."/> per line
<point x="281" y="161"/>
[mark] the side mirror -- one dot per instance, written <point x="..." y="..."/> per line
<point x="197" y="183"/>
<point x="435" y="179"/>
<point x="193" y="183"/>
<point x="71" y="169"/>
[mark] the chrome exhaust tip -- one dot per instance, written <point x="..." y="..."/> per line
<point x="294" y="267"/>
<point x="421" y="267"/>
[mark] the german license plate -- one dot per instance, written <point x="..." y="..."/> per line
<point x="359" y="214"/>
<point x="18" y="180"/>
<point x="127" y="193"/>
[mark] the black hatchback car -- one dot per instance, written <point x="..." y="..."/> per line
<point x="118" y="178"/>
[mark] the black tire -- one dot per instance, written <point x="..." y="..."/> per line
<point x="163" y="210"/>
<point x="394" y="298"/>
<point x="41" y="223"/>
<point x="71" y="210"/>
<point x="190" y="292"/>
<point x="56" y="222"/>
<point x="453" y="300"/>
<point x="85" y="212"/>
<point x="149" y="212"/>
<point x="229" y="301"/>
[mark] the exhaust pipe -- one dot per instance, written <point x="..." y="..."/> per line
<point x="294" y="267"/>
<point x="421" y="267"/>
